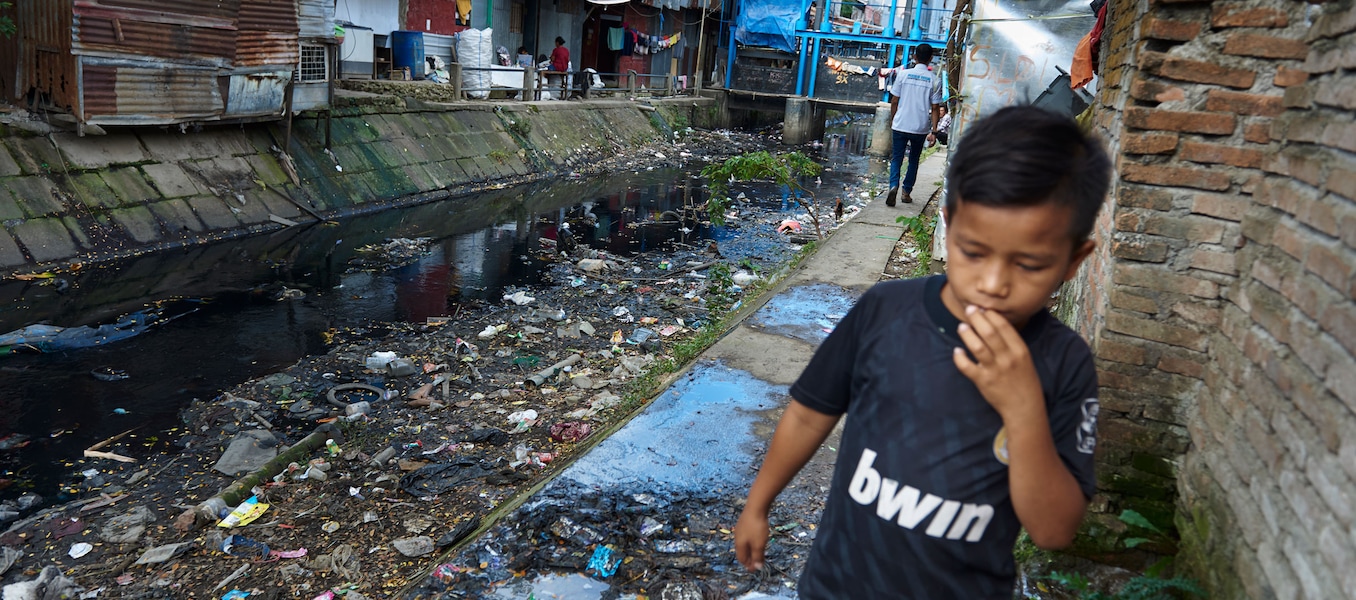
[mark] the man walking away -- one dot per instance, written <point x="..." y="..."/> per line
<point x="914" y="98"/>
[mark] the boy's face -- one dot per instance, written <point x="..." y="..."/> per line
<point x="1008" y="260"/>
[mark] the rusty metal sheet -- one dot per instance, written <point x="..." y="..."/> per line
<point x="315" y="18"/>
<point x="210" y="9"/>
<point x="256" y="94"/>
<point x="121" y="37"/>
<point x="117" y="94"/>
<point x="43" y="60"/>
<point x="267" y="33"/>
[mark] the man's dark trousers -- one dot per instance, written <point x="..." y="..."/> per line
<point x="899" y="144"/>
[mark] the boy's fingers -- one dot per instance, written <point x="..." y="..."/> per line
<point x="963" y="363"/>
<point x="973" y="342"/>
<point x="984" y="325"/>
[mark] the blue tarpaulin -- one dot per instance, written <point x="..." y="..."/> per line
<point x="770" y="23"/>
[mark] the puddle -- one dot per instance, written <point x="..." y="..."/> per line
<point x="692" y="439"/>
<point x="807" y="312"/>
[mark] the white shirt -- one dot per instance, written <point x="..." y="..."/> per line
<point x="917" y="90"/>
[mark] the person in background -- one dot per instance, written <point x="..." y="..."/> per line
<point x="943" y="125"/>
<point x="560" y="62"/>
<point x="913" y="99"/>
<point x="524" y="57"/>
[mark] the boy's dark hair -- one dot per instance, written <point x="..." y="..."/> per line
<point x="560" y="41"/>
<point x="922" y="54"/>
<point x="1027" y="156"/>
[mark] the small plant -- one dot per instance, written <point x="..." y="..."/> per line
<point x="715" y="209"/>
<point x="519" y="127"/>
<point x="1139" y="588"/>
<point x="747" y="263"/>
<point x="921" y="228"/>
<point x="7" y="25"/>
<point x="499" y="155"/>
<point x="781" y="169"/>
<point x="718" y="283"/>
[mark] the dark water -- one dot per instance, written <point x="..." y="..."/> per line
<point x="230" y="325"/>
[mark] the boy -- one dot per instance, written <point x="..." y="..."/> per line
<point x="971" y="410"/>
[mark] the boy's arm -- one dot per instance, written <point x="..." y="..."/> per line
<point x="798" y="435"/>
<point x="1045" y="495"/>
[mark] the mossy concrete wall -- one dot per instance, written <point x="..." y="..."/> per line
<point x="68" y="198"/>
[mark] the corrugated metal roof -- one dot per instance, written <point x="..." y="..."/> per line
<point x="267" y="33"/>
<point x="681" y="4"/>
<point x="218" y="9"/>
<point x="121" y="95"/>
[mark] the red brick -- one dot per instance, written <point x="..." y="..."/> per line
<point x="1184" y="121"/>
<point x="1218" y="262"/>
<point x="1123" y="299"/>
<point x="1309" y="294"/>
<point x="1128" y="221"/>
<point x="1198" y="152"/>
<point x="1244" y="103"/>
<point x="1153" y="277"/>
<point x="1288" y="238"/>
<point x="1331" y="265"/>
<point x="1339" y="320"/>
<point x="1198" y="312"/>
<point x="1140" y="250"/>
<point x="1257" y="133"/>
<point x="1149" y="143"/>
<point x="1286" y="76"/>
<point x="1304" y="164"/>
<point x="1197" y="229"/>
<point x="1333" y="91"/>
<point x="1195" y="71"/>
<point x="1298" y="126"/>
<point x="1128" y="353"/>
<point x="1338" y="135"/>
<point x="1300" y="96"/>
<point x="1314" y="212"/>
<point x="1229" y="208"/>
<point x="1139" y="196"/>
<point x="1182" y="366"/>
<point x="1156" y="331"/>
<point x="1153" y="91"/>
<point x="1343" y="183"/>
<point x="1234" y="14"/>
<point x="1265" y="46"/>
<point x="1194" y="177"/>
<point x="1169" y="29"/>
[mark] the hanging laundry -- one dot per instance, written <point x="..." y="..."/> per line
<point x="614" y="38"/>
<point x="464" y="12"/>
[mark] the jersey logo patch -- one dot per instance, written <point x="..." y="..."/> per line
<point x="1000" y="445"/>
<point x="1087" y="430"/>
<point x="909" y="506"/>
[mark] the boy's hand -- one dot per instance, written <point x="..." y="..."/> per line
<point x="1002" y="369"/>
<point x="751" y="533"/>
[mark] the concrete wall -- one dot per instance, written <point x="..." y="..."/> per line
<point x="1225" y="346"/>
<point x="69" y="198"/>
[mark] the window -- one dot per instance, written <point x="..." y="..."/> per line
<point x="567" y="7"/>
<point x="313" y="66"/>
<point x="516" y="17"/>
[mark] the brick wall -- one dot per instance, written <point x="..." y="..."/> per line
<point x="1225" y="339"/>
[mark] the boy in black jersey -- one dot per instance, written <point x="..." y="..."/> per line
<point x="971" y="411"/>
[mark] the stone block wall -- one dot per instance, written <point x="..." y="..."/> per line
<point x="67" y="198"/>
<point x="1226" y="337"/>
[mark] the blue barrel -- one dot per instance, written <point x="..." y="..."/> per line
<point x="407" y="50"/>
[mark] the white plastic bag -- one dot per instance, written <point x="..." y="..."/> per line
<point x="475" y="51"/>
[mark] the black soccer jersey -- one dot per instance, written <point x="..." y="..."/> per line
<point x="919" y="506"/>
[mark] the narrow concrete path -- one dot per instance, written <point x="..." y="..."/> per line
<point x="681" y="469"/>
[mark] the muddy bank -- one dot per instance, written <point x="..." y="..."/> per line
<point x="481" y="428"/>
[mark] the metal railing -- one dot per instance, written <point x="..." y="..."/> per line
<point x="537" y="85"/>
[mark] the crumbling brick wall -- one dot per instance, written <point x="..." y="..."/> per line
<point x="1222" y="306"/>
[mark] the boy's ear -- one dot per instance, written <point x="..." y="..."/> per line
<point x="1080" y="253"/>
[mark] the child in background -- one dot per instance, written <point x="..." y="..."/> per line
<point x="971" y="411"/>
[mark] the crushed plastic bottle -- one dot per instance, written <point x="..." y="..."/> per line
<point x="239" y="545"/>
<point x="604" y="562"/>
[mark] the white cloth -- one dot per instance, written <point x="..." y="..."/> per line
<point x="917" y="90"/>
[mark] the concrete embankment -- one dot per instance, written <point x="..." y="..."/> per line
<point x="68" y="198"/>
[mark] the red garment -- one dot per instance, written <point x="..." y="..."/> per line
<point x="560" y="59"/>
<point x="1095" y="37"/>
<point x="1080" y="72"/>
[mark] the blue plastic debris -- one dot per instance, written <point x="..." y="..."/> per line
<point x="604" y="562"/>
